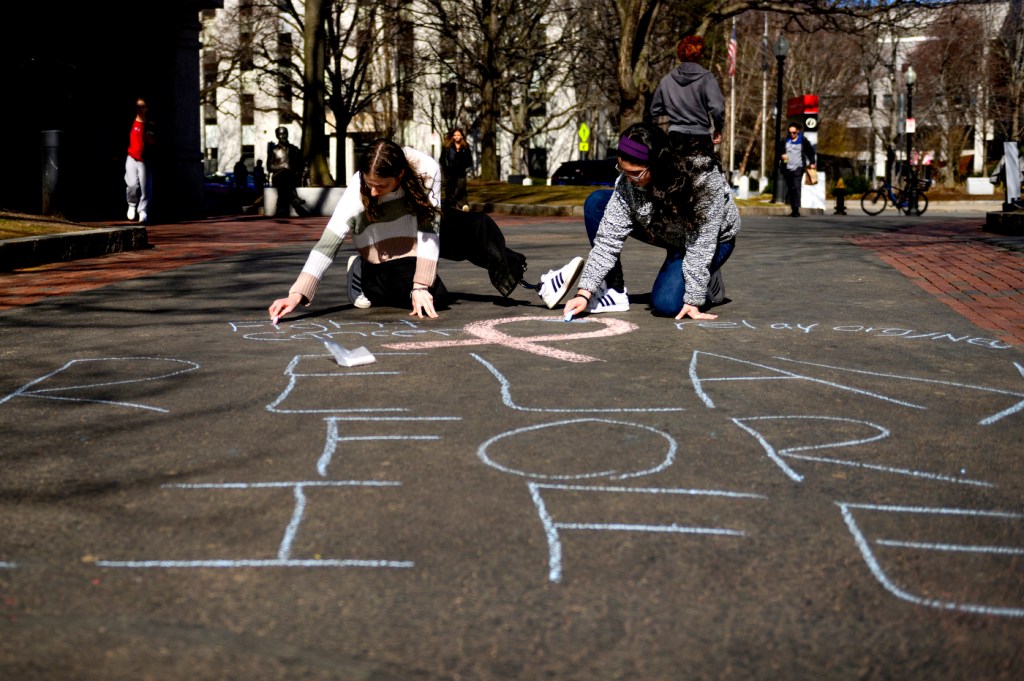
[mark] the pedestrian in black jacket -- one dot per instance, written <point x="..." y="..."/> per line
<point x="797" y="154"/>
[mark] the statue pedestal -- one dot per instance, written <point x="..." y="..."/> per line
<point x="317" y="201"/>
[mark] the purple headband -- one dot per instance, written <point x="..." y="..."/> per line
<point x="635" y="149"/>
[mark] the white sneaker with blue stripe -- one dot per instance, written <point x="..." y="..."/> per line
<point x="608" y="300"/>
<point x="355" y="283"/>
<point x="556" y="283"/>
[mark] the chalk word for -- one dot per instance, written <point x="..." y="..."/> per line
<point x="117" y="365"/>
<point x="877" y="331"/>
<point x="284" y="552"/>
<point x="939" y="551"/>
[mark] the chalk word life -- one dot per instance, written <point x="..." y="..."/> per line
<point x="875" y="331"/>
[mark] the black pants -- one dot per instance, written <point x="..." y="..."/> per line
<point x="477" y="238"/>
<point x="794" y="180"/>
<point x="390" y="284"/>
<point x="455" y="191"/>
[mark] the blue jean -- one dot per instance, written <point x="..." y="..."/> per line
<point x="669" y="286"/>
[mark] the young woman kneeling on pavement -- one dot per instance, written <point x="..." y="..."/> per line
<point x="394" y="224"/>
<point x="660" y="200"/>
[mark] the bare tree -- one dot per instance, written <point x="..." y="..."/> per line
<point x="640" y="22"/>
<point x="494" y="44"/>
<point x="332" y="65"/>
<point x="1008" y="69"/>
<point x="946" y="91"/>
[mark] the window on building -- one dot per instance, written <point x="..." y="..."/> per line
<point x="248" y="109"/>
<point x="209" y="94"/>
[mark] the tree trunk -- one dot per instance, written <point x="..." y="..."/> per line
<point x="314" y="139"/>
<point x="636" y="18"/>
<point x="489" y="109"/>
<point x="489" y="168"/>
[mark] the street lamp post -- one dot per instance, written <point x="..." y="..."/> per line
<point x="910" y="77"/>
<point x="781" y="50"/>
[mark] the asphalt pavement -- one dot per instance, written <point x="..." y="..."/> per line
<point x="824" y="482"/>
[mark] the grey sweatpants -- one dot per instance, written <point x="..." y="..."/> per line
<point x="138" y="182"/>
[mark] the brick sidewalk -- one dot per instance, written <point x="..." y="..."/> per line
<point x="982" y="282"/>
<point x="173" y="246"/>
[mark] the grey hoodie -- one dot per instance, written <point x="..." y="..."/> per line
<point x="692" y="100"/>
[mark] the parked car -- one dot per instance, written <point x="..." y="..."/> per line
<point x="600" y="172"/>
<point x="222" y="183"/>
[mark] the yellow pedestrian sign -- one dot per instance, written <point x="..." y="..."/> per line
<point x="584" y="133"/>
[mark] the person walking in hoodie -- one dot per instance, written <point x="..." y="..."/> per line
<point x="689" y="95"/>
<point x="691" y="99"/>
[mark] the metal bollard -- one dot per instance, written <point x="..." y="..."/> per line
<point x="839" y="192"/>
<point x="51" y="170"/>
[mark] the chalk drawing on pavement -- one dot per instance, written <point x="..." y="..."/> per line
<point x="104" y="376"/>
<point x="334" y="437"/>
<point x="631" y="454"/>
<point x="914" y="379"/>
<point x="284" y="554"/>
<point x="553" y="528"/>
<point x="286" y="331"/>
<point x="487" y="333"/>
<point x="777" y="455"/>
<point x="756" y="371"/>
<point x="946" y="562"/>
<point x="506" y="397"/>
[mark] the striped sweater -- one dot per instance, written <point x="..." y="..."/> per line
<point x="395" y="234"/>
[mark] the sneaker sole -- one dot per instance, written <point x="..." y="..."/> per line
<point x="562" y="285"/>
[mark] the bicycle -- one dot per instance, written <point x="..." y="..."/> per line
<point x="873" y="202"/>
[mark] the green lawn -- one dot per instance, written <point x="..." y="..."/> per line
<point x="17" y="225"/>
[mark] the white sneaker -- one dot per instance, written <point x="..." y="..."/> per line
<point x="555" y="284"/>
<point x="355" y="283"/>
<point x="131" y="213"/>
<point x="609" y="300"/>
<point x="143" y="218"/>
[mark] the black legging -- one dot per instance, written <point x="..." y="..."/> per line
<point x="477" y="238"/>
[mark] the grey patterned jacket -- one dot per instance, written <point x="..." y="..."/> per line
<point x="718" y="219"/>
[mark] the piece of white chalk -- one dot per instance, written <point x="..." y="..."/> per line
<point x="568" y="316"/>
<point x="350" y="358"/>
<point x="275" y="320"/>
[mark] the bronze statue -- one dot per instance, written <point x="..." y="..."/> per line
<point x="285" y="165"/>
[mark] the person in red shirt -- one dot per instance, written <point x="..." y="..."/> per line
<point x="137" y="178"/>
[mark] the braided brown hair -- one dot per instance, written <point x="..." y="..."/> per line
<point x="384" y="158"/>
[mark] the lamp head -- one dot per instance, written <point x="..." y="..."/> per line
<point x="781" y="47"/>
<point x="910" y="77"/>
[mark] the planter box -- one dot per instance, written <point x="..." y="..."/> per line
<point x="980" y="186"/>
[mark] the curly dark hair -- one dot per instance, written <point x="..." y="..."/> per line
<point x="384" y="158"/>
<point x="663" y="165"/>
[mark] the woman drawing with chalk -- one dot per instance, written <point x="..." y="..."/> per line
<point x="660" y="201"/>
<point x="394" y="223"/>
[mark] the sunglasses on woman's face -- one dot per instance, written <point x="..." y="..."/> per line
<point x="635" y="175"/>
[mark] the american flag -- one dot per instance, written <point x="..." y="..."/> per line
<point x="732" y="53"/>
